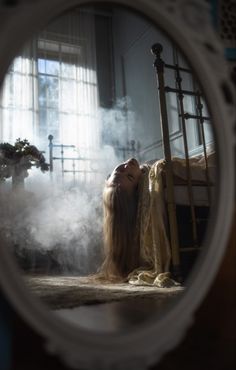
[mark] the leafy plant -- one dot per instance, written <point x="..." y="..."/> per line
<point x="16" y="159"/>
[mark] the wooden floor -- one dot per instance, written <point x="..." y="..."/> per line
<point x="208" y="344"/>
<point x="102" y="307"/>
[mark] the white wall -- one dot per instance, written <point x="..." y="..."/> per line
<point x="135" y="78"/>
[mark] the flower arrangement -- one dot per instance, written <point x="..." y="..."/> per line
<point x="17" y="159"/>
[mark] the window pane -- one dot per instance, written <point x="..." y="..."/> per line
<point x="52" y="119"/>
<point x="52" y="67"/>
<point x="48" y="91"/>
<point x="68" y="70"/>
<point x="48" y="46"/>
<point x="68" y="96"/>
<point x="48" y="124"/>
<point x="42" y="86"/>
<point x="41" y="66"/>
<point x="42" y="124"/>
<point x="52" y="91"/>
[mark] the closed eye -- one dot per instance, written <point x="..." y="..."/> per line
<point x="130" y="177"/>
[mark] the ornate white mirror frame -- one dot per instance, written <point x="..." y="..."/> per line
<point x="187" y="22"/>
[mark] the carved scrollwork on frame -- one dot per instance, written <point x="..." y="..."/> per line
<point x="188" y="24"/>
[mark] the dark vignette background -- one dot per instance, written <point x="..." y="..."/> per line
<point x="209" y="343"/>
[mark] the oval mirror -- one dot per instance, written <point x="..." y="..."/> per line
<point x="113" y="174"/>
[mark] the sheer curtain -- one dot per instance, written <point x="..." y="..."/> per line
<point x="51" y="88"/>
<point x="19" y="99"/>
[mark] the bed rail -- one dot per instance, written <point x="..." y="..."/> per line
<point x="174" y="241"/>
<point x="62" y="158"/>
<point x="160" y="67"/>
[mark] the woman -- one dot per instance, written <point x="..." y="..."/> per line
<point x="136" y="245"/>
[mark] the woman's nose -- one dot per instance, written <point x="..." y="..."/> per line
<point x="132" y="161"/>
<point x="121" y="167"/>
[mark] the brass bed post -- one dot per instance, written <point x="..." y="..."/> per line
<point x="50" y="138"/>
<point x="174" y="240"/>
<point x="201" y="120"/>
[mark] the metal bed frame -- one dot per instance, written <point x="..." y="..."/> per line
<point x="160" y="67"/>
<point x="63" y="158"/>
<point x="130" y="149"/>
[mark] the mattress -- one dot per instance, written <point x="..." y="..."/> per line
<point x="202" y="179"/>
<point x="200" y="195"/>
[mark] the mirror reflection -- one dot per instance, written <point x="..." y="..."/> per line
<point x="107" y="169"/>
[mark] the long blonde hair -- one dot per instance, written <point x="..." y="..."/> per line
<point x="121" y="237"/>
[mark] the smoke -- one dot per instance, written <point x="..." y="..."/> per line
<point x="55" y="225"/>
<point x="118" y="123"/>
<point x="121" y="123"/>
<point x="58" y="228"/>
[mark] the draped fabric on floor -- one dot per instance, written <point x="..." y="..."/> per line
<point x="155" y="249"/>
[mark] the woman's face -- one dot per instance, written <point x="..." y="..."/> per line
<point x="126" y="175"/>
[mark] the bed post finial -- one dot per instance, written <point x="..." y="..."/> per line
<point x="159" y="65"/>
<point x="50" y="138"/>
<point x="156" y="50"/>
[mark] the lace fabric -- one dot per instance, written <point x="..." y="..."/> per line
<point x="154" y="244"/>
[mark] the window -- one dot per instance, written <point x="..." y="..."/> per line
<point x="51" y="89"/>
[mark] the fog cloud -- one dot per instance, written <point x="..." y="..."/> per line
<point x="56" y="222"/>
